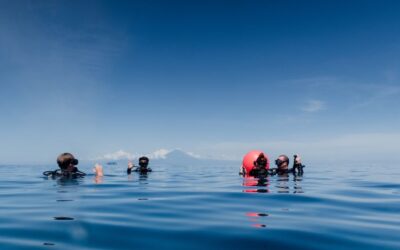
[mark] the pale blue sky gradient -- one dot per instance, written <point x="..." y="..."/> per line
<point x="217" y="78"/>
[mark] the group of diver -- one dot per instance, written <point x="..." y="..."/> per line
<point x="67" y="167"/>
<point x="258" y="168"/>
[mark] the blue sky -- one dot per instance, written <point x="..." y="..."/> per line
<point x="217" y="78"/>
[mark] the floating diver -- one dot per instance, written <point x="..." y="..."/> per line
<point x="282" y="163"/>
<point x="143" y="166"/>
<point x="256" y="164"/>
<point x="67" y="163"/>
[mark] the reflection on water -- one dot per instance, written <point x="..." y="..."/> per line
<point x="297" y="184"/>
<point x="199" y="208"/>
<point x="284" y="184"/>
<point x="255" y="220"/>
<point x="65" y="181"/>
<point x="143" y="178"/>
<point x="256" y="182"/>
<point x="63" y="218"/>
<point x="137" y="176"/>
<point x="98" y="179"/>
<point x="287" y="183"/>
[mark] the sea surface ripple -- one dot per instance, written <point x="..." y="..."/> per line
<point x="201" y="208"/>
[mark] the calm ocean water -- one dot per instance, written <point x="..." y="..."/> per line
<point x="335" y="207"/>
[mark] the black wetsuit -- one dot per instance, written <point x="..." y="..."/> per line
<point x="297" y="169"/>
<point x="139" y="170"/>
<point x="64" y="174"/>
<point x="259" y="172"/>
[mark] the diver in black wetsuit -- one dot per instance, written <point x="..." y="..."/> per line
<point x="143" y="169"/>
<point x="282" y="163"/>
<point x="68" y="169"/>
<point x="260" y="167"/>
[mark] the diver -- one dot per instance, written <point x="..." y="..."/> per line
<point x="67" y="163"/>
<point x="256" y="164"/>
<point x="282" y="163"/>
<point x="260" y="167"/>
<point x="143" y="166"/>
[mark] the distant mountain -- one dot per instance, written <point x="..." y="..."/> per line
<point x="165" y="157"/>
<point x="181" y="158"/>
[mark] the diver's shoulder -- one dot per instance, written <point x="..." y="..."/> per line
<point x="65" y="174"/>
<point x="138" y="169"/>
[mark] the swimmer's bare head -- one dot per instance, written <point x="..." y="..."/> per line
<point x="282" y="162"/>
<point x="67" y="162"/>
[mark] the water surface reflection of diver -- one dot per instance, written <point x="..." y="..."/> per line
<point x="67" y="163"/>
<point x="262" y="184"/>
<point x="283" y="183"/>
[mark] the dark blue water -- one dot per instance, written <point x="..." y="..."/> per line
<point x="351" y="207"/>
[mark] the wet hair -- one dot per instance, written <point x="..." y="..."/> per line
<point x="261" y="159"/>
<point x="65" y="159"/>
<point x="144" y="158"/>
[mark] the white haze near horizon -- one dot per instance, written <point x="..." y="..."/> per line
<point x="372" y="148"/>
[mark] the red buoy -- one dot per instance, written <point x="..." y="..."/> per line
<point x="250" y="158"/>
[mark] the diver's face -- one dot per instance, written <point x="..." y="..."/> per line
<point x="143" y="164"/>
<point x="70" y="167"/>
<point x="284" y="164"/>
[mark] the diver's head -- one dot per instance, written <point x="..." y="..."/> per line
<point x="143" y="162"/>
<point x="67" y="162"/>
<point x="261" y="161"/>
<point x="282" y="162"/>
